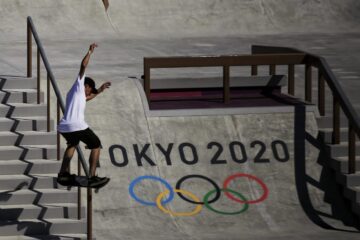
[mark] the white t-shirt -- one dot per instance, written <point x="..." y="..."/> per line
<point x="74" y="117"/>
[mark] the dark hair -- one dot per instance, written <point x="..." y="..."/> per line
<point x="91" y="83"/>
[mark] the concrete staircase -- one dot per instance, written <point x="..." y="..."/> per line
<point x="32" y="204"/>
<point x="339" y="161"/>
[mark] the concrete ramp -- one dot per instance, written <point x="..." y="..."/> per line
<point x="257" y="155"/>
<point x="127" y="19"/>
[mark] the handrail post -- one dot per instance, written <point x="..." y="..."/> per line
<point x="89" y="213"/>
<point x="308" y="82"/>
<point x="29" y="50"/>
<point x="226" y="84"/>
<point x="291" y="79"/>
<point x="79" y="191"/>
<point x="352" y="149"/>
<point x="272" y="69"/>
<point x="57" y="133"/>
<point x="48" y="104"/>
<point x="336" y="122"/>
<point x="321" y="93"/>
<point x="254" y="70"/>
<point x="147" y="81"/>
<point x="38" y="76"/>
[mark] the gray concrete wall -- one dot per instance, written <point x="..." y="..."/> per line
<point x="118" y="215"/>
<point x="177" y="18"/>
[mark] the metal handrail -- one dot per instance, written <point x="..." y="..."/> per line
<point x="339" y="96"/>
<point x="31" y="31"/>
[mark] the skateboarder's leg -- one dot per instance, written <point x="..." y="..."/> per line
<point x="68" y="154"/>
<point x="93" y="160"/>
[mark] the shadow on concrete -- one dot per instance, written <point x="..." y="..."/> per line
<point x="327" y="183"/>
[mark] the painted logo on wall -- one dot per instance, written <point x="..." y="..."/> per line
<point x="212" y="196"/>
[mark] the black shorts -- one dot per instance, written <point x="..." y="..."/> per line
<point x="86" y="136"/>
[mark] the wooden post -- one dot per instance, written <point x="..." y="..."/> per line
<point x="226" y="84"/>
<point x="254" y="70"/>
<point x="291" y="79"/>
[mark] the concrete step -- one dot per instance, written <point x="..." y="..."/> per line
<point x="28" y="152"/>
<point x="20" y="96"/>
<point x="42" y="227"/>
<point x="43" y="211"/>
<point x="340" y="150"/>
<point x="39" y="196"/>
<point x="326" y="134"/>
<point x="48" y="237"/>
<point x="340" y="164"/>
<point x="34" y="166"/>
<point x="327" y="122"/>
<point x="25" y="124"/>
<point x="353" y="194"/>
<point x="26" y="138"/>
<point x="22" y="110"/>
<point x="34" y="181"/>
<point x="18" y="83"/>
<point x="349" y="180"/>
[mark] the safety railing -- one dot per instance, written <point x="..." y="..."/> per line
<point x="218" y="61"/>
<point x="273" y="57"/>
<point x="340" y="100"/>
<point x="32" y="33"/>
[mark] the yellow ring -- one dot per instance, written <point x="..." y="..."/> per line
<point x="182" y="214"/>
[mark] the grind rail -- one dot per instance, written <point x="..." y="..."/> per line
<point x="32" y="33"/>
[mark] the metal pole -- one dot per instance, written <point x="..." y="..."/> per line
<point x="352" y="149"/>
<point x="57" y="133"/>
<point x="226" y="84"/>
<point x="79" y="191"/>
<point x="38" y="76"/>
<point x="308" y="83"/>
<point x="48" y="103"/>
<point x="336" y="122"/>
<point x="29" y="50"/>
<point x="321" y="93"/>
<point x="89" y="213"/>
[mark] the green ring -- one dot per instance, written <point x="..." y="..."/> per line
<point x="206" y="203"/>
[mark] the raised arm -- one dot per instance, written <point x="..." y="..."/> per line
<point x="86" y="59"/>
<point x="100" y="90"/>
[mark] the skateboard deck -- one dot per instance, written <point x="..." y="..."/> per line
<point x="82" y="181"/>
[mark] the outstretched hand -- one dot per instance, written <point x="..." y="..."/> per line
<point x="104" y="86"/>
<point x="92" y="47"/>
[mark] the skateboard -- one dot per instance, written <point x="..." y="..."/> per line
<point x="82" y="181"/>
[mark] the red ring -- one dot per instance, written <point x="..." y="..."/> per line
<point x="264" y="187"/>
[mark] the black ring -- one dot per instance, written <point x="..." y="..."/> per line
<point x="218" y="191"/>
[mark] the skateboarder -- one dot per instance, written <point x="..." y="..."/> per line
<point x="74" y="128"/>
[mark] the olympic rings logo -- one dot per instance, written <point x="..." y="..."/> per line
<point x="168" y="195"/>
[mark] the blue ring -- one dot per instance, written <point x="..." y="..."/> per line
<point x="137" y="180"/>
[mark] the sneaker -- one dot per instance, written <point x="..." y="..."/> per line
<point x="95" y="180"/>
<point x="66" y="179"/>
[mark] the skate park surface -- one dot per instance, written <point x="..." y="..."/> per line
<point x="299" y="197"/>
